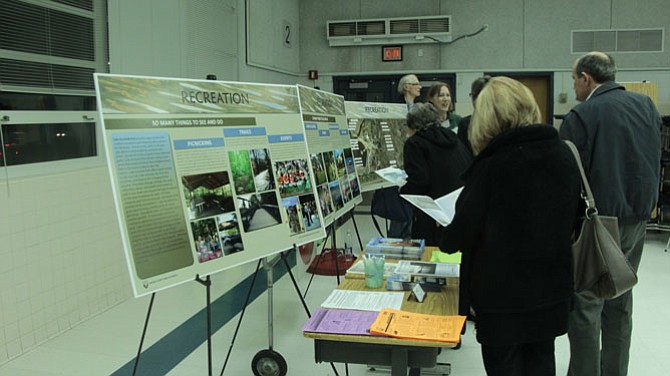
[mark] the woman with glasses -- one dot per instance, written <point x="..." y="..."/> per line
<point x="409" y="87"/>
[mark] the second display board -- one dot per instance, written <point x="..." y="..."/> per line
<point x="378" y="134"/>
<point x="331" y="157"/>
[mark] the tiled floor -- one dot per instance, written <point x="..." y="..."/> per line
<point x="107" y="344"/>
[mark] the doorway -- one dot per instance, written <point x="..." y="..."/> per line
<point x="384" y="88"/>
<point x="542" y="86"/>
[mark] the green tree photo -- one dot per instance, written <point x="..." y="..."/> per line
<point x="240" y="166"/>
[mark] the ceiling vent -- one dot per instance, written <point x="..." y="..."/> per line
<point x="622" y="40"/>
<point x="379" y="31"/>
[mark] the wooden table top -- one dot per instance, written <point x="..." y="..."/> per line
<point x="444" y="302"/>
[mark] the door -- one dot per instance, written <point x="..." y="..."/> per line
<point x="541" y="84"/>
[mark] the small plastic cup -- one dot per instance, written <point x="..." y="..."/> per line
<point x="374" y="272"/>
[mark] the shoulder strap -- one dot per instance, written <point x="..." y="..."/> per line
<point x="587" y="195"/>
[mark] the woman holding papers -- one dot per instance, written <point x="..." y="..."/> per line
<point x="514" y="219"/>
<point x="434" y="160"/>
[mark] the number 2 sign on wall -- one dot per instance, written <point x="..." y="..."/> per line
<point x="287" y="34"/>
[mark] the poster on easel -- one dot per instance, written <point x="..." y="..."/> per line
<point x="194" y="168"/>
<point x="378" y="134"/>
<point x="331" y="159"/>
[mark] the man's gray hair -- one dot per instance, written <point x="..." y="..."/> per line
<point x="598" y="65"/>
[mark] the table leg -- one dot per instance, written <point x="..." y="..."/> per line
<point x="399" y="362"/>
<point x="414" y="372"/>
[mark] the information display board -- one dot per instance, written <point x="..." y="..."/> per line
<point x="331" y="157"/>
<point x="195" y="168"/>
<point x="378" y="134"/>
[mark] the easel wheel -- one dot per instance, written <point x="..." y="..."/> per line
<point x="269" y="363"/>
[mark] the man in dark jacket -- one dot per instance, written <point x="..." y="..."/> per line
<point x="618" y="136"/>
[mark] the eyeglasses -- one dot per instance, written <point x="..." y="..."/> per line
<point x="414" y="83"/>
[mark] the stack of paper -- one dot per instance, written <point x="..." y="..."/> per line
<point x="363" y="300"/>
<point x="428" y="269"/>
<point x="340" y="321"/>
<point x="396" y="248"/>
<point x="408" y="325"/>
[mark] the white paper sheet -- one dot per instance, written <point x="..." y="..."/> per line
<point x="363" y="300"/>
<point x="442" y="209"/>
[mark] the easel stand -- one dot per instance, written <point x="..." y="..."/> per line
<point x="207" y="283"/>
<point x="268" y="362"/>
<point x="244" y="309"/>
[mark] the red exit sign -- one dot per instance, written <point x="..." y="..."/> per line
<point x="392" y="53"/>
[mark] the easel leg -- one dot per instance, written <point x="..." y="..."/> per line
<point x="144" y="333"/>
<point x="333" y="245"/>
<point x="295" y="284"/>
<point x="208" y="283"/>
<point x="237" y="328"/>
<point x="323" y="248"/>
<point x="358" y="234"/>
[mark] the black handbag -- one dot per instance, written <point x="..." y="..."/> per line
<point x="600" y="267"/>
<point x="387" y="203"/>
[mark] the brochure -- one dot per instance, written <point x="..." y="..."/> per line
<point x="394" y="175"/>
<point x="441" y="209"/>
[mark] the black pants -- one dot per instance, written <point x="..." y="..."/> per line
<point x="528" y="359"/>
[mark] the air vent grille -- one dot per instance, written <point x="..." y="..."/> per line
<point x="430" y="25"/>
<point x="371" y="28"/>
<point x="342" y="29"/>
<point x="44" y="75"/>
<point x="629" y="40"/>
<point x="46" y="46"/>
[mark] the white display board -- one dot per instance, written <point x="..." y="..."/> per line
<point x="378" y="134"/>
<point x="331" y="157"/>
<point x="195" y="170"/>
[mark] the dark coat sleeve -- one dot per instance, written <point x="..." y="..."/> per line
<point x="573" y="129"/>
<point x="463" y="233"/>
<point x="417" y="168"/>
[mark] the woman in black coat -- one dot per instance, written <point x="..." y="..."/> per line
<point x="514" y="219"/>
<point x="434" y="160"/>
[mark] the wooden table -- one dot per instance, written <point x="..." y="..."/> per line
<point x="395" y="352"/>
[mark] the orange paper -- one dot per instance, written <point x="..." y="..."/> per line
<point x="408" y="325"/>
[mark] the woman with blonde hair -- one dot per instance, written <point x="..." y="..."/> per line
<point x="514" y="220"/>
